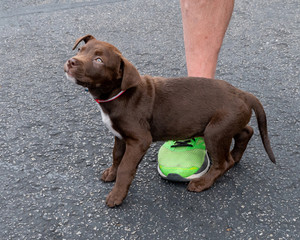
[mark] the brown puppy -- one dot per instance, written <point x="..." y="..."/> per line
<point x="142" y="109"/>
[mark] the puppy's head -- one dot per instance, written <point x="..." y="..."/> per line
<point x="100" y="65"/>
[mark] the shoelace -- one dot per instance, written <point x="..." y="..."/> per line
<point x="183" y="143"/>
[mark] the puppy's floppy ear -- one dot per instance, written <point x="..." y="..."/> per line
<point x="85" y="38"/>
<point x="131" y="76"/>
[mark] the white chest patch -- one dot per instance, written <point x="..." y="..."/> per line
<point x="106" y="120"/>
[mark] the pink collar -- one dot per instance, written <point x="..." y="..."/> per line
<point x="110" y="99"/>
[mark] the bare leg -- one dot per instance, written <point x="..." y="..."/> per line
<point x="204" y="26"/>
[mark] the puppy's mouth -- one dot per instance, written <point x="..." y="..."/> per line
<point x="71" y="78"/>
<point x="75" y="80"/>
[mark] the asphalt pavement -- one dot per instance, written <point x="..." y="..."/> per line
<point x="53" y="145"/>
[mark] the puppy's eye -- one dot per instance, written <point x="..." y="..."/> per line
<point x="99" y="60"/>
<point x="79" y="49"/>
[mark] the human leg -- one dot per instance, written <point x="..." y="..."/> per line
<point x="204" y="26"/>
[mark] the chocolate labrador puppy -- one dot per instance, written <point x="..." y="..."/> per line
<point x="141" y="109"/>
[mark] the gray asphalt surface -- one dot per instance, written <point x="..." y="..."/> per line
<point x="54" y="146"/>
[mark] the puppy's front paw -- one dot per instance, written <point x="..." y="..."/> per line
<point x="109" y="175"/>
<point x="114" y="199"/>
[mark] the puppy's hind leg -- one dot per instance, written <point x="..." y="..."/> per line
<point x="241" y="141"/>
<point x="218" y="145"/>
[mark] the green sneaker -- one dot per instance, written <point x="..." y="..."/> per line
<point x="183" y="160"/>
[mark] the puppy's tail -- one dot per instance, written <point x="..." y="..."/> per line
<point x="262" y="126"/>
